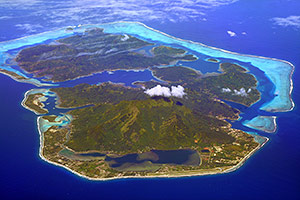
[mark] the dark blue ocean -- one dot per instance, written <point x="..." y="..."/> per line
<point x="271" y="173"/>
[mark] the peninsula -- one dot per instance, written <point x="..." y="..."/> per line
<point x="176" y="124"/>
<point x="174" y="127"/>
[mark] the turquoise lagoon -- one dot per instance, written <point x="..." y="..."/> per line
<point x="279" y="72"/>
<point x="262" y="123"/>
<point x="61" y="120"/>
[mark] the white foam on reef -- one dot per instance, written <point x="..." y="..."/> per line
<point x="278" y="71"/>
<point x="33" y="39"/>
<point x="24" y="41"/>
<point x="262" y="123"/>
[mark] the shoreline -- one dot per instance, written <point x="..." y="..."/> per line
<point x="209" y="172"/>
<point x="54" y="83"/>
<point x="27" y="93"/>
<point x="225" y="51"/>
<point x="27" y="80"/>
<point x="248" y="155"/>
<point x="189" y="41"/>
<point x="235" y="53"/>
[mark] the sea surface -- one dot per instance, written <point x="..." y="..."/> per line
<point x="271" y="173"/>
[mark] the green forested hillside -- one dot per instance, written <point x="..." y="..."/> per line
<point x="90" y="52"/>
<point x="142" y="125"/>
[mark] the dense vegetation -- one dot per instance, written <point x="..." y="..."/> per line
<point x="234" y="77"/>
<point x="85" y="94"/>
<point x="204" y="102"/>
<point x="142" y="125"/>
<point x="93" y="51"/>
<point x="164" y="50"/>
<point x="126" y="120"/>
<point x="175" y="74"/>
<point x="122" y="120"/>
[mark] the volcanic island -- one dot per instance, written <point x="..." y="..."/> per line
<point x="177" y="124"/>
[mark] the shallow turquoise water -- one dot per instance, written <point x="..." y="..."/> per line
<point x="265" y="69"/>
<point x="278" y="71"/>
<point x="262" y="123"/>
<point x="272" y="173"/>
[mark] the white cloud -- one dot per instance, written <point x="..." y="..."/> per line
<point x="55" y="13"/>
<point x="226" y="90"/>
<point x="159" y="91"/>
<point x="287" y="21"/>
<point x="177" y="91"/>
<point x="17" y="3"/>
<point x="231" y="33"/>
<point x="241" y="92"/>
<point x="166" y="92"/>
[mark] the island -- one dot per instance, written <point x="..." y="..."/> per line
<point x="212" y="60"/>
<point x="91" y="52"/>
<point x="126" y="132"/>
<point x="177" y="123"/>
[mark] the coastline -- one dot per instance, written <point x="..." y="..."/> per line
<point x="225" y="51"/>
<point x="213" y="171"/>
<point x="62" y="32"/>
<point x="27" y="93"/>
<point x="248" y="155"/>
<point x="28" y="80"/>
<point x="208" y="172"/>
<point x="235" y="53"/>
